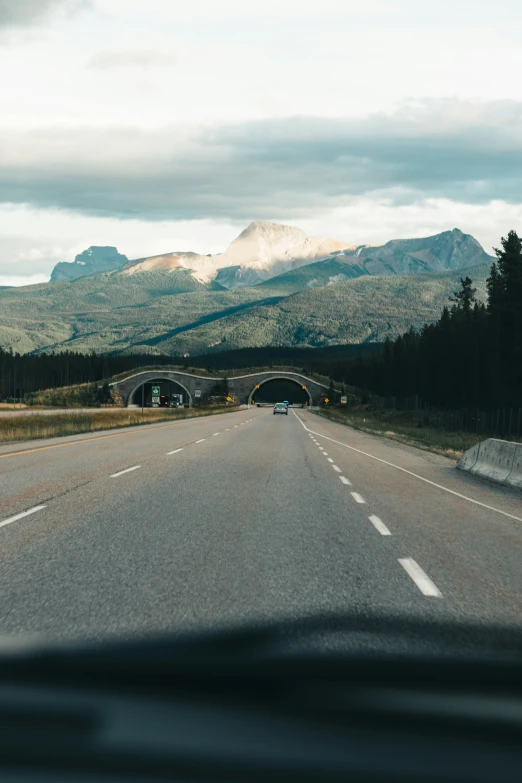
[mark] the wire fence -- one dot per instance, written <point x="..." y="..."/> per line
<point x="498" y="422"/>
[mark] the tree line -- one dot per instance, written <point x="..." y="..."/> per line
<point x="22" y="374"/>
<point x="471" y="357"/>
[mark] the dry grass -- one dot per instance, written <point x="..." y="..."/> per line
<point x="403" y="426"/>
<point x="37" y="426"/>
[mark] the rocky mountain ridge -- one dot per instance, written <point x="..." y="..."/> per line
<point x="266" y="250"/>
<point x="93" y="261"/>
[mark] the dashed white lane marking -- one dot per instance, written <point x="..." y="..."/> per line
<point x="174" y="452"/>
<point x="127" y="470"/>
<point x="422" y="580"/>
<point x="380" y="526"/>
<point x="216" y="433"/>
<point x="345" y="480"/>
<point x="410" y="473"/>
<point x="358" y="498"/>
<point x="330" y="459"/>
<point x="227" y="429"/>
<point x="324" y="453"/>
<point x="236" y="425"/>
<point x="21" y="515"/>
<point x="200" y="440"/>
<point x="336" y="468"/>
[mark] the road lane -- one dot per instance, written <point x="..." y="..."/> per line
<point x="251" y="525"/>
<point x="255" y="524"/>
<point x="60" y="464"/>
<point x="474" y="552"/>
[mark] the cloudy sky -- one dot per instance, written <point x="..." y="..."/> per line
<point x="170" y="125"/>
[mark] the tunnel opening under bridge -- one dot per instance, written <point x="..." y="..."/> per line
<point x="280" y="390"/>
<point x="169" y="392"/>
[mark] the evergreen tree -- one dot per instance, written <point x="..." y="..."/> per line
<point x="465" y="298"/>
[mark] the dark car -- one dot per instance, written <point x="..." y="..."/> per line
<point x="280" y="407"/>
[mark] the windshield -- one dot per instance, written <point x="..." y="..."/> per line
<point x="211" y="213"/>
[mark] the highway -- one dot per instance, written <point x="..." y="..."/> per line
<point x="245" y="517"/>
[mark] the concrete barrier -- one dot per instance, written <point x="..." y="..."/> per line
<point x="497" y="460"/>
<point x="469" y="458"/>
<point x="515" y="477"/>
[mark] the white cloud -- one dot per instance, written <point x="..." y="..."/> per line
<point x="132" y="59"/>
<point x="29" y="12"/>
<point x="366" y="120"/>
<point x="18" y="280"/>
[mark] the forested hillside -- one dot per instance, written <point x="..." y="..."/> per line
<point x="472" y="355"/>
<point x="172" y="313"/>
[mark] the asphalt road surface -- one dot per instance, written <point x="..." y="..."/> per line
<point x="246" y="516"/>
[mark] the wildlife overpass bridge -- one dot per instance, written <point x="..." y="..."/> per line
<point x="246" y="388"/>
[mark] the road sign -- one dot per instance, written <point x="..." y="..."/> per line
<point x="344" y="400"/>
<point x="197" y="393"/>
<point x="155" y="391"/>
<point x="326" y="400"/>
<point x="228" y="399"/>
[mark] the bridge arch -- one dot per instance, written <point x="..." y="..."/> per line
<point x="283" y="377"/>
<point x="133" y="398"/>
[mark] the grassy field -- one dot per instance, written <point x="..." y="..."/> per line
<point x="37" y="426"/>
<point x="403" y="426"/>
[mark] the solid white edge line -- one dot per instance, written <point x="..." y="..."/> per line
<point x="127" y="470"/>
<point x="21" y="515"/>
<point x="358" y="498"/>
<point x="174" y="452"/>
<point x="410" y="473"/>
<point x="379" y="525"/>
<point x="422" y="580"/>
<point x="336" y="468"/>
<point x="345" y="480"/>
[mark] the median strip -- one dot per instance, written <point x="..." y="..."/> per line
<point x="21" y="515"/>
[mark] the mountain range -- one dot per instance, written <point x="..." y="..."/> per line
<point x="273" y="285"/>
<point x="265" y="250"/>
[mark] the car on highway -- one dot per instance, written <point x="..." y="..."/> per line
<point x="280" y="407"/>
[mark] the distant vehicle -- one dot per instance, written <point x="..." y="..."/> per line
<point x="280" y="407"/>
<point x="286" y="403"/>
<point x="173" y="401"/>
